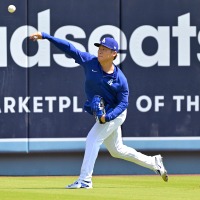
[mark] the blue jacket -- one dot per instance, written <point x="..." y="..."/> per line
<point x="112" y="87"/>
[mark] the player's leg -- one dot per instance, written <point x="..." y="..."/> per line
<point x="117" y="149"/>
<point x="95" y="138"/>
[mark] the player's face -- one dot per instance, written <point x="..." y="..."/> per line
<point x="105" y="54"/>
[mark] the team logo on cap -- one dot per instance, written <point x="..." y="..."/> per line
<point x="104" y="40"/>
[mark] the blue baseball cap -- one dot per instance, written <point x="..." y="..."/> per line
<point x="108" y="42"/>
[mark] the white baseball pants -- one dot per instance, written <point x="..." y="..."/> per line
<point x="110" y="134"/>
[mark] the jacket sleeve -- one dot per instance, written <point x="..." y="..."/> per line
<point x="69" y="49"/>
<point x="122" y="97"/>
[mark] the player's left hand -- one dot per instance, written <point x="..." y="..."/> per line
<point x="103" y="119"/>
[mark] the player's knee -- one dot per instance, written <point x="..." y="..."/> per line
<point x="116" y="153"/>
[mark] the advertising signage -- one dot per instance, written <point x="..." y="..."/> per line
<point x="42" y="89"/>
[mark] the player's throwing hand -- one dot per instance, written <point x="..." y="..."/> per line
<point x="36" y="36"/>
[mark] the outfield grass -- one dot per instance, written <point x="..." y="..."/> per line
<point x="105" y="188"/>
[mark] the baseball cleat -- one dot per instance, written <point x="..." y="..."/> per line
<point x="160" y="169"/>
<point x="80" y="184"/>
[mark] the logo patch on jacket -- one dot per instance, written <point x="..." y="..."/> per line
<point x="110" y="82"/>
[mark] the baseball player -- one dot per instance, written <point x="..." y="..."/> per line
<point x="107" y="94"/>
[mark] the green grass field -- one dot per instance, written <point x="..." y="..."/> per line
<point x="105" y="187"/>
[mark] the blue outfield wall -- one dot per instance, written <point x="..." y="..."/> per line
<point x="78" y="144"/>
<point x="42" y="89"/>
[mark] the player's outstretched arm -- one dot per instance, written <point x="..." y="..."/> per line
<point x="36" y="36"/>
<point x="65" y="46"/>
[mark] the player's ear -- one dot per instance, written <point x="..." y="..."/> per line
<point x="114" y="55"/>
